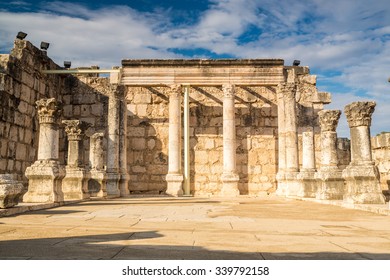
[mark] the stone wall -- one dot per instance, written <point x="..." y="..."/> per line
<point x="381" y="155"/>
<point x="256" y="132"/>
<point x="21" y="84"/>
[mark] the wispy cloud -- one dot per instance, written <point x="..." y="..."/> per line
<point x="347" y="42"/>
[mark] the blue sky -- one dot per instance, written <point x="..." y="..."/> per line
<point x="346" y="43"/>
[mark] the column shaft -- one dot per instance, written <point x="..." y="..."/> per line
<point x="308" y="153"/>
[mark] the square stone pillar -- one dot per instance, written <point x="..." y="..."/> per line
<point x="45" y="175"/>
<point x="113" y="140"/>
<point x="329" y="177"/>
<point x="97" y="181"/>
<point x="124" y="176"/>
<point x="10" y="190"/>
<point x="75" y="183"/>
<point x="175" y="174"/>
<point x="229" y="177"/>
<point x="361" y="175"/>
<point x="308" y="183"/>
<point x="287" y="177"/>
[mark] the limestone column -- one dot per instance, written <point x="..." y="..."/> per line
<point x="124" y="179"/>
<point x="329" y="177"/>
<point x="288" y="140"/>
<point x="175" y="175"/>
<point x="75" y="183"/>
<point x="306" y="175"/>
<point x="97" y="182"/>
<point x="114" y="115"/>
<point x="361" y="175"/>
<point x="230" y="177"/>
<point x="46" y="173"/>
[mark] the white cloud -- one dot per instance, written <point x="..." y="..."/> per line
<point x="347" y="37"/>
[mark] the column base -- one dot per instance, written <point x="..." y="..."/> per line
<point x="230" y="185"/>
<point x="330" y="184"/>
<point x="44" y="182"/>
<point x="97" y="183"/>
<point x="174" y="184"/>
<point x="308" y="183"/>
<point x="112" y="185"/>
<point x="288" y="183"/>
<point x="10" y="191"/>
<point x="362" y="185"/>
<point x="75" y="184"/>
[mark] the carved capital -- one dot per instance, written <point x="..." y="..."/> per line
<point x="359" y="113"/>
<point x="75" y="129"/>
<point x="329" y="119"/>
<point x="98" y="136"/>
<point x="175" y="91"/>
<point x="228" y="90"/>
<point x="286" y="91"/>
<point x="49" y="110"/>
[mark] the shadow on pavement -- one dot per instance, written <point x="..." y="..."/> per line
<point x="123" y="246"/>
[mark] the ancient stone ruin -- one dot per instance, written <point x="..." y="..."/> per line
<point x="200" y="127"/>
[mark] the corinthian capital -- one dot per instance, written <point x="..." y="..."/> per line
<point x="75" y="129"/>
<point x="175" y="90"/>
<point x="48" y="110"/>
<point x="228" y="90"/>
<point x="286" y="90"/>
<point x="329" y="119"/>
<point x="359" y="113"/>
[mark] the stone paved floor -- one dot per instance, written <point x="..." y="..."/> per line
<point x="195" y="228"/>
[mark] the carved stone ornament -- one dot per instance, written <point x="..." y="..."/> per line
<point x="228" y="90"/>
<point x="329" y="119"/>
<point x="176" y="90"/>
<point x="286" y="90"/>
<point x="49" y="110"/>
<point x="75" y="129"/>
<point x="359" y="113"/>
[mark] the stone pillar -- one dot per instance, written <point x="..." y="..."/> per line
<point x="97" y="182"/>
<point x="175" y="175"/>
<point x="124" y="179"/>
<point x="288" y="183"/>
<point x="230" y="177"/>
<point x="75" y="183"/>
<point x="329" y="177"/>
<point x="308" y="187"/>
<point x="46" y="173"/>
<point x="361" y="175"/>
<point x="114" y="116"/>
<point x="10" y="190"/>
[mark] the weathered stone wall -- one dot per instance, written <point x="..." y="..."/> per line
<point x="256" y="132"/>
<point x="381" y="155"/>
<point x="21" y="85"/>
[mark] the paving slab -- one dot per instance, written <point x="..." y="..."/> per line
<point x="195" y="228"/>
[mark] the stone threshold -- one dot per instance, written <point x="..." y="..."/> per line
<point x="381" y="209"/>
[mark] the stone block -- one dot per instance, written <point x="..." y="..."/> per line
<point x="138" y="144"/>
<point x="10" y="191"/>
<point x="21" y="151"/>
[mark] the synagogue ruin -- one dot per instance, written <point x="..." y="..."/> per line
<point x="177" y="127"/>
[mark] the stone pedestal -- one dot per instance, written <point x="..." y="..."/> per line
<point x="75" y="183"/>
<point x="175" y="175"/>
<point x="229" y="177"/>
<point x="97" y="181"/>
<point x="10" y="191"/>
<point x="308" y="183"/>
<point x="287" y="177"/>
<point x="46" y="173"/>
<point x="361" y="175"/>
<point x="329" y="176"/>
